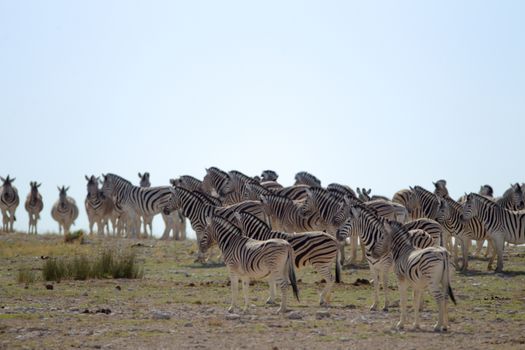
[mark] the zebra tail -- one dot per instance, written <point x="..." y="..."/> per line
<point x="291" y="273"/>
<point x="337" y="268"/>
<point x="446" y="279"/>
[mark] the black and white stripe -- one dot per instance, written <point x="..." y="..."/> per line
<point x="317" y="249"/>
<point x="247" y="258"/>
<point x="64" y="211"/>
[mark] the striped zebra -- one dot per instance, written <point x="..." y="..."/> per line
<point x="305" y="178"/>
<point x="99" y="209"/>
<point x="449" y="215"/>
<point x="405" y="197"/>
<point x="247" y="258"/>
<point x="431" y="227"/>
<point x="135" y="201"/>
<point x="365" y="223"/>
<point x="503" y="225"/>
<point x="269" y="175"/>
<point x="64" y="211"/>
<point x="9" y="201"/>
<point x="441" y="189"/>
<point x="310" y="248"/>
<point x="254" y="191"/>
<point x="364" y="195"/>
<point x="188" y="182"/>
<point x="419" y="268"/>
<point x="197" y="208"/>
<point x="147" y="219"/>
<point x="341" y="190"/>
<point x="34" y="205"/>
<point x="286" y="215"/>
<point x="215" y="181"/>
<point x="233" y="190"/>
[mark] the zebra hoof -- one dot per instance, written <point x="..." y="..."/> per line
<point x="400" y="326"/>
<point x="270" y="302"/>
<point x="385" y="309"/>
<point x="373" y="307"/>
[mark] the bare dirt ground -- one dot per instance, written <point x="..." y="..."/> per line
<point x="179" y="304"/>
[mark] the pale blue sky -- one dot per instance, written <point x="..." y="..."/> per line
<point x="382" y="94"/>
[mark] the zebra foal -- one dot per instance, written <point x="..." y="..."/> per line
<point x="247" y="258"/>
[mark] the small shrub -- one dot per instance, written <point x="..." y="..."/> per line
<point x="26" y="276"/>
<point x="79" y="268"/>
<point x="74" y="236"/>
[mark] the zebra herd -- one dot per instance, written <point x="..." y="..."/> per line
<point x="264" y="229"/>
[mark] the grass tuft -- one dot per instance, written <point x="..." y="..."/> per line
<point x="26" y="276"/>
<point x="106" y="265"/>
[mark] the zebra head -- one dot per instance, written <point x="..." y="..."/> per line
<point x="7" y="181"/>
<point x="470" y="209"/>
<point x="269" y="175"/>
<point x="216" y="228"/>
<point x="441" y="188"/>
<point x="443" y="212"/>
<point x="34" y="189"/>
<point x="348" y="228"/>
<point x="486" y="190"/>
<point x="174" y="202"/>
<point x="364" y="195"/>
<point x="517" y="196"/>
<point x="144" y="180"/>
<point x="108" y="185"/>
<point x="62" y="194"/>
<point x="92" y="185"/>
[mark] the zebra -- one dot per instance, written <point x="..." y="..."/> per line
<point x="215" y="181"/>
<point x="503" y="225"/>
<point x="305" y="178"/>
<point x="9" y="201"/>
<point x="310" y="248"/>
<point x="269" y="175"/>
<point x="431" y="227"/>
<point x="136" y="201"/>
<point x="197" y="208"/>
<point x="341" y="190"/>
<point x="147" y="220"/>
<point x="405" y="197"/>
<point x="247" y="258"/>
<point x="233" y="189"/>
<point x="34" y="206"/>
<point x="441" y="189"/>
<point x="64" y="211"/>
<point x="420" y="268"/>
<point x="449" y="215"/>
<point x="188" y="182"/>
<point x="364" y="195"/>
<point x="285" y="215"/>
<point x="365" y="223"/>
<point x="99" y="209"/>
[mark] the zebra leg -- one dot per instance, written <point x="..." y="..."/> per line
<point x="273" y="287"/>
<point x="325" y="271"/>
<point x="417" y="304"/>
<point x="499" y="243"/>
<point x="353" y="249"/>
<point x="464" y="253"/>
<point x="363" y="252"/>
<point x="283" y="283"/>
<point x="5" y="224"/>
<point x="234" y="281"/>
<point x="245" y="290"/>
<point x="375" y="276"/>
<point x="384" y="282"/>
<point x="440" y="300"/>
<point x="479" y="246"/>
<point x="403" y="286"/>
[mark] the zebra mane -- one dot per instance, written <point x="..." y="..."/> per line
<point x="340" y="190"/>
<point x="306" y="175"/>
<point x="190" y="194"/>
<point x="277" y="196"/>
<point x="205" y="198"/>
<point x="224" y="224"/>
<point x="114" y="176"/>
<point x="216" y="171"/>
<point x="244" y="217"/>
<point x="484" y="200"/>
<point x="241" y="177"/>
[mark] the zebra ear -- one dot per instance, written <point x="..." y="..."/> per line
<point x="13" y="179"/>
<point x="411" y="188"/>
<point x="369" y="190"/>
<point x="87" y="178"/>
<point x="59" y="189"/>
<point x="1" y="178"/>
<point x="67" y="188"/>
<point x="355" y="211"/>
<point x="40" y="184"/>
<point x="263" y="199"/>
<point x="140" y="175"/>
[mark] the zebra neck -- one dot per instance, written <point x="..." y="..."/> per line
<point x="491" y="215"/>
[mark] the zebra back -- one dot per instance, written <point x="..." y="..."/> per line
<point x="305" y="178"/>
